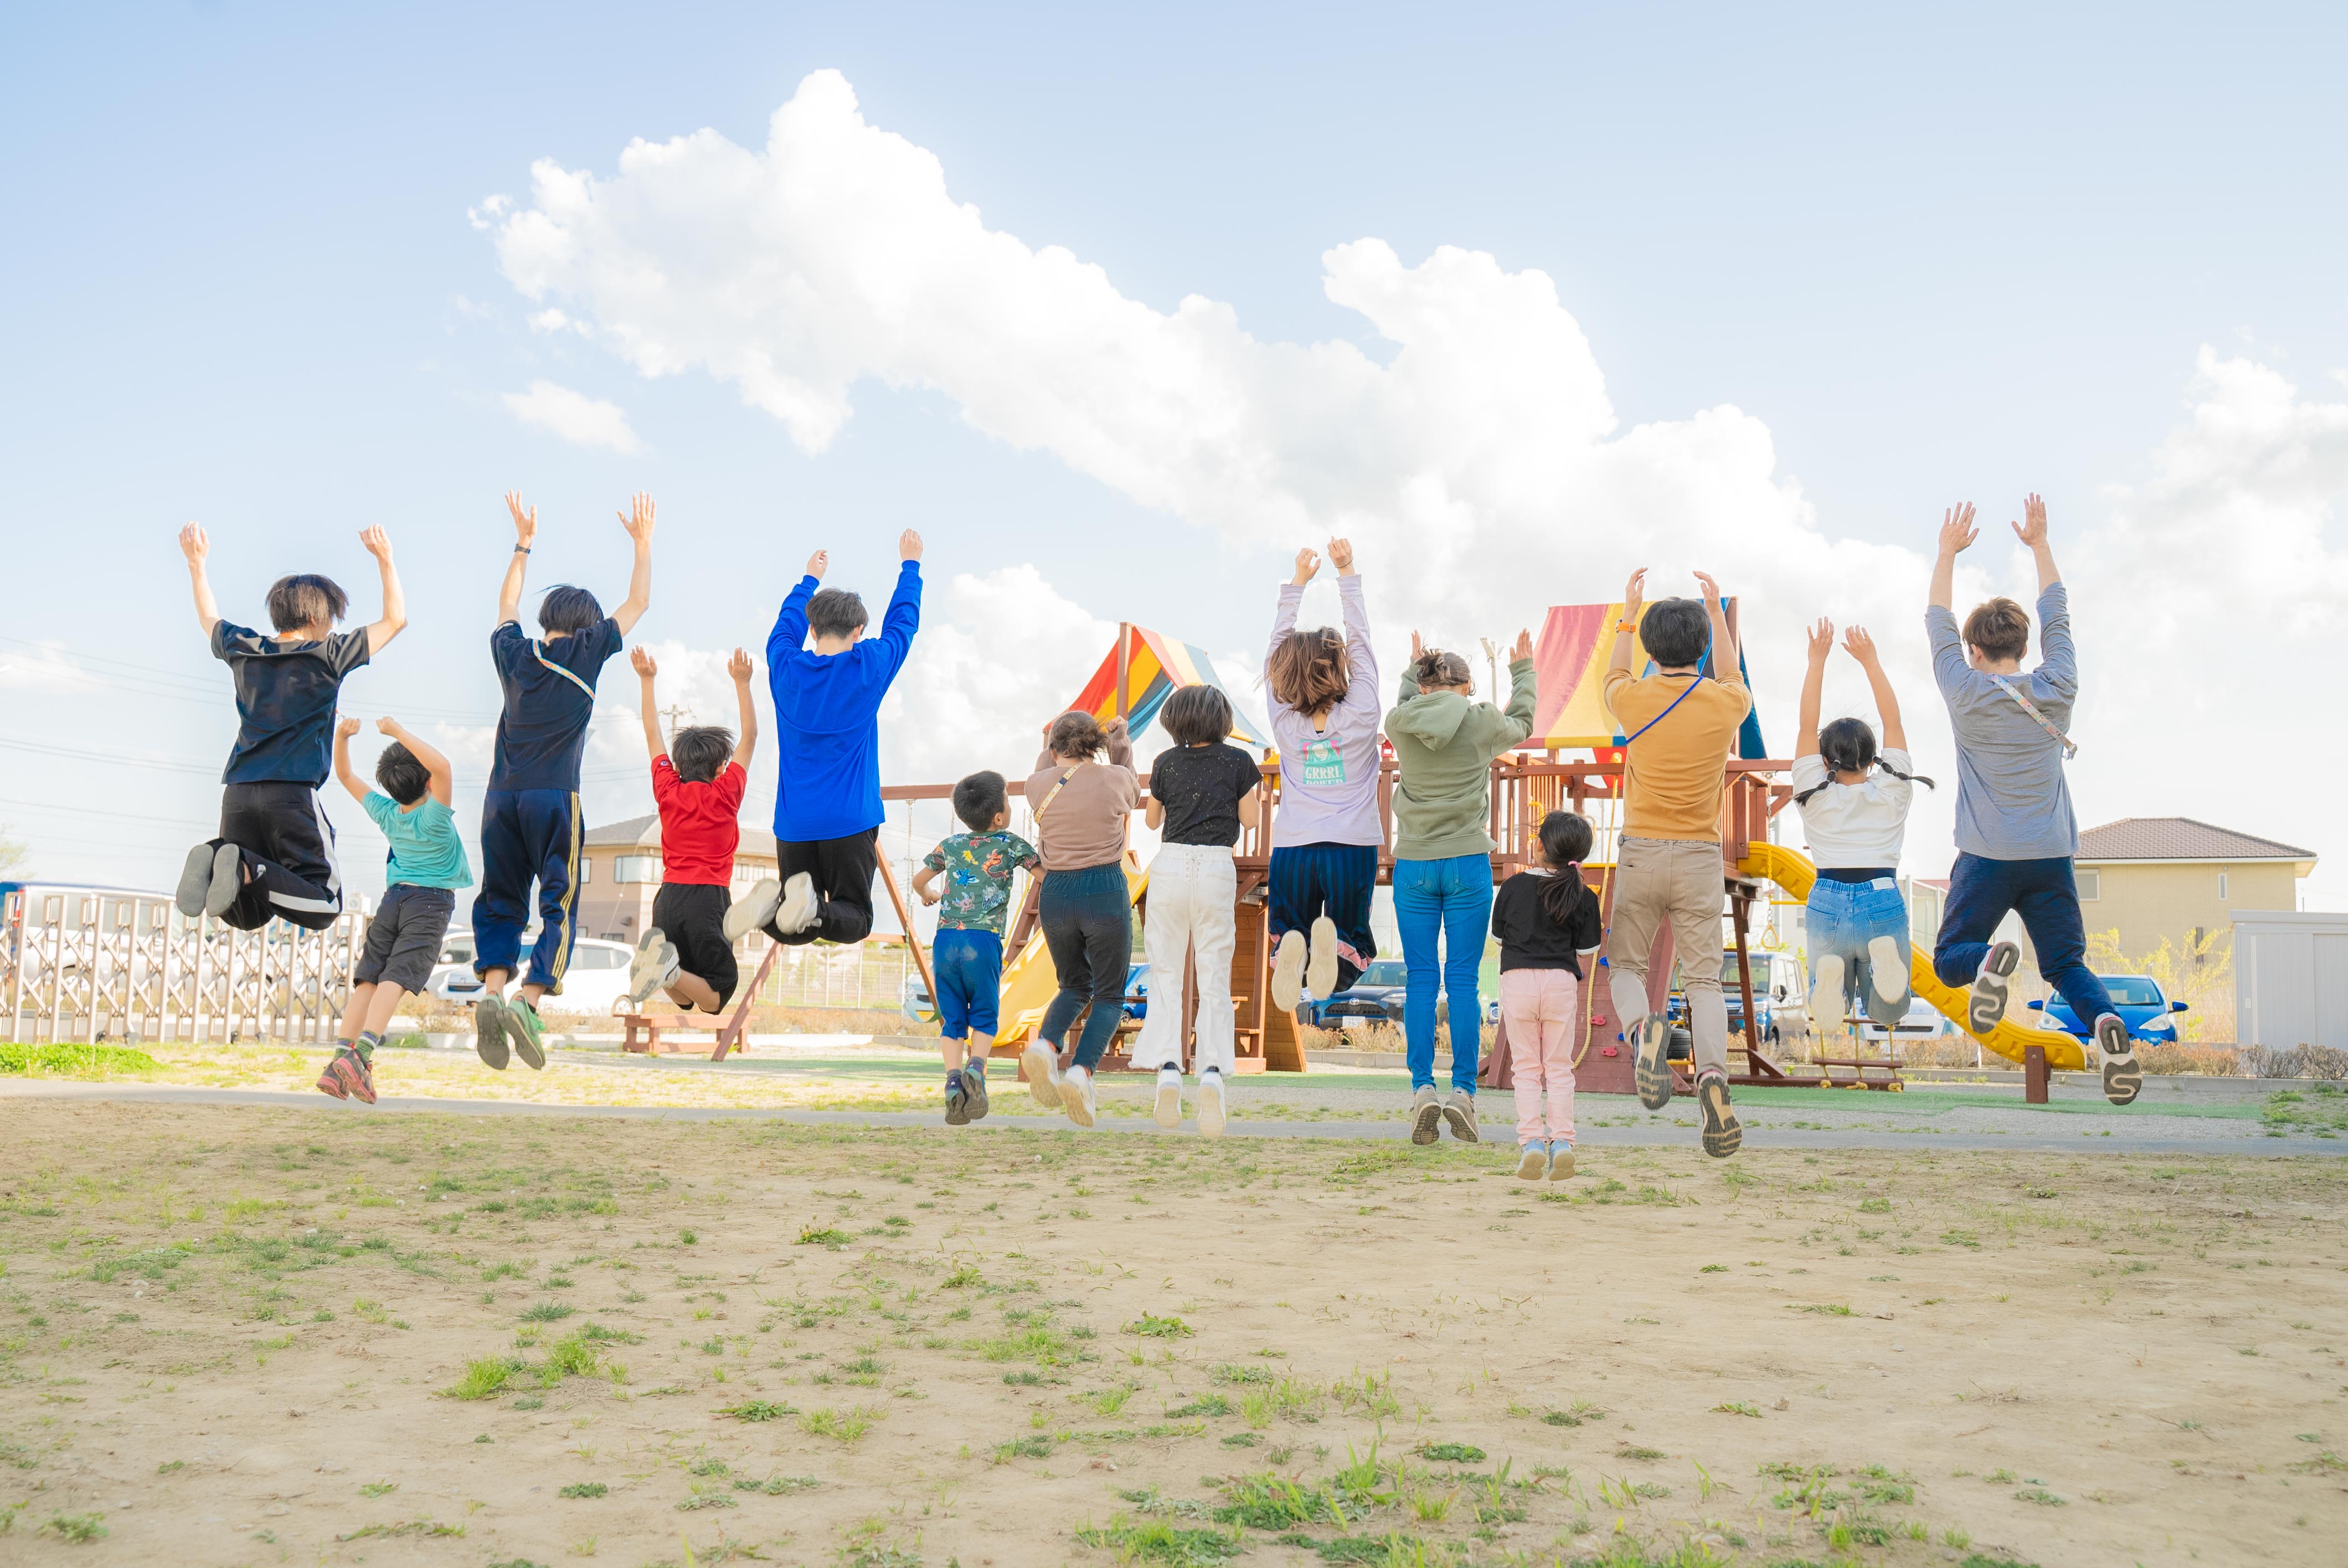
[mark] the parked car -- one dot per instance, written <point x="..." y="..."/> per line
<point x="1921" y="1021"/>
<point x="2137" y="998"/>
<point x="1375" y="997"/>
<point x="913" y="997"/>
<point x="1771" y="974"/>
<point x="595" y="978"/>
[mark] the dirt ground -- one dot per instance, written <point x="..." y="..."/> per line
<point x="245" y="1336"/>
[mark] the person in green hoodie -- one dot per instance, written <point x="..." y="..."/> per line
<point x="1445" y="741"/>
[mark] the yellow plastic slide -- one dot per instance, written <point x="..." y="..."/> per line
<point x="1794" y="872"/>
<point x="1030" y="979"/>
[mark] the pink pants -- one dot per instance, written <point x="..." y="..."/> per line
<point x="1539" y="1008"/>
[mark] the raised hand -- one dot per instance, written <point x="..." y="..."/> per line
<point x="1307" y="564"/>
<point x="386" y="725"/>
<point x="345" y="727"/>
<point x="194" y="544"/>
<point x="1711" y="590"/>
<point x="525" y="518"/>
<point x="739" y="667"/>
<point x="1957" y="531"/>
<point x="1524" y="647"/>
<point x="1633" y="593"/>
<point x="1860" y="646"/>
<point x="642" y="658"/>
<point x="639" y="520"/>
<point x="2031" y="529"/>
<point x="819" y="564"/>
<point x="1417" y="647"/>
<point x="377" y="543"/>
<point x="1115" y="727"/>
<point x="909" y="546"/>
<point x="1822" y="641"/>
<point x="1341" y="556"/>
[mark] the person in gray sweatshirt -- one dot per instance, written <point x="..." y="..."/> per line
<point x="1445" y="741"/>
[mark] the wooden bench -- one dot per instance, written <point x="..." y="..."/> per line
<point x="644" y="1031"/>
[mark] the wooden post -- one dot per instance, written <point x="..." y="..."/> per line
<point x="731" y="1035"/>
<point x="2034" y="1075"/>
<point x="1740" y="904"/>
<point x="1124" y="662"/>
<point x="905" y="921"/>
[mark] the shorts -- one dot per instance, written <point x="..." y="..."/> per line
<point x="403" y="940"/>
<point x="1842" y="919"/>
<point x="969" y="970"/>
<point x="691" y="915"/>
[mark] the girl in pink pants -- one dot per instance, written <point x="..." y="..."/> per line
<point x="1548" y="923"/>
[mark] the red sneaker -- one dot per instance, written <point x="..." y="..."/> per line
<point x="348" y="1077"/>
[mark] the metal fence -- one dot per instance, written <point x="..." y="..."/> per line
<point x="100" y="963"/>
<point x="870" y="974"/>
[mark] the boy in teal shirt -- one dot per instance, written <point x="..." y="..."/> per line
<point x="427" y="864"/>
<point x="967" y="957"/>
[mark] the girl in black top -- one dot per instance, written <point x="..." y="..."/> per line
<point x="1548" y="922"/>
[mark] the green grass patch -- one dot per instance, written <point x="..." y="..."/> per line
<point x="1152" y="1327"/>
<point x="1158" y="1542"/>
<point x="74" y="1060"/>
<point x="483" y="1378"/>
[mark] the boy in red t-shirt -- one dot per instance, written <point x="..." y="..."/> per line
<point x="685" y="952"/>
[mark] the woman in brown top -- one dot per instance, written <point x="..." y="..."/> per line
<point x="1081" y="806"/>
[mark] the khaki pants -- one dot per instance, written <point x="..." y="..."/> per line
<point x="1678" y="880"/>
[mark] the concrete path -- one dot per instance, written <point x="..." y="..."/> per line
<point x="2066" y="1138"/>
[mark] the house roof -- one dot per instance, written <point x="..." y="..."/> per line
<point x="644" y="832"/>
<point x="2179" y="839"/>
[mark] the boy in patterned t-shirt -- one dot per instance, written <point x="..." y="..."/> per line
<point x="967" y="957"/>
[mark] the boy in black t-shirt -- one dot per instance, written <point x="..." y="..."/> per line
<point x="1202" y="792"/>
<point x="274" y="857"/>
<point x="531" y="822"/>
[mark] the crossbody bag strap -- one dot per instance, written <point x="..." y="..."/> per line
<point x="2070" y="747"/>
<point x="1053" y="792"/>
<point x="571" y="676"/>
<point x="1665" y="714"/>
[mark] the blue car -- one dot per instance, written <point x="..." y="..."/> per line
<point x="2137" y="998"/>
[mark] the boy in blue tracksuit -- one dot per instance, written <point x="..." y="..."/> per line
<point x="828" y="793"/>
<point x="531" y="822"/>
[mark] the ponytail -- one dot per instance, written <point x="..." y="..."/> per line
<point x="1565" y="840"/>
<point x="1847" y="746"/>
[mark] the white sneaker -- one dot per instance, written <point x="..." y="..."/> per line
<point x="1288" y="971"/>
<point x="1168" y="1110"/>
<point x="1077" y="1096"/>
<point x="1211" y="1104"/>
<point x="1321" y="966"/>
<point x="1826" y="998"/>
<point x="1042" y="1066"/>
<point x="653" y="968"/>
<point x="753" y="909"/>
<point x="1883" y="963"/>
<point x="799" y="907"/>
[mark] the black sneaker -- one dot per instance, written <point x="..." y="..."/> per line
<point x="1650" y="1067"/>
<point x="195" y="881"/>
<point x="2123" y="1079"/>
<point x="490" y="1031"/>
<point x="1985" y="1000"/>
<point x="1722" y="1134"/>
<point x="957" y="1101"/>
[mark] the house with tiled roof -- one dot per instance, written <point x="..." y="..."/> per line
<point x="620" y="873"/>
<point x="2150" y="878"/>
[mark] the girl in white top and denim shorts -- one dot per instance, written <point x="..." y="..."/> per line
<point x="1854" y="804"/>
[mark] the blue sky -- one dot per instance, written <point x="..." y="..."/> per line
<point x="1933" y="256"/>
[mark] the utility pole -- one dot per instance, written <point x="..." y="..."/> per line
<point x="674" y="712"/>
<point x="1492" y="661"/>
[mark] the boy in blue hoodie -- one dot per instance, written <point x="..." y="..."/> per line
<point x="827" y="718"/>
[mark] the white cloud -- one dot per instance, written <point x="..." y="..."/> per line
<point x="1482" y="471"/>
<point x="578" y="418"/>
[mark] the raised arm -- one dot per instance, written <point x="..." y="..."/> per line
<point x="1861" y="647"/>
<point x="1727" y="667"/>
<point x="1523" y="689"/>
<point x="747" y="747"/>
<point x="2031" y="532"/>
<point x="648" y="701"/>
<point x="903" y="616"/>
<point x="1814" y="685"/>
<point x="1956" y="534"/>
<point x="525" y="521"/>
<point x="393" y="617"/>
<point x="1626" y="630"/>
<point x="1407" y="684"/>
<point x="638" y="521"/>
<point x="1361" y="683"/>
<point x="789" y="634"/>
<point x="347" y="775"/>
<point x="442" y="779"/>
<point x="195" y="546"/>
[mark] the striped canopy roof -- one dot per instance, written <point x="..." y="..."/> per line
<point x="1570" y="663"/>
<point x="1154" y="667"/>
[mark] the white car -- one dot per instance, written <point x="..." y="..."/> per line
<point x="595" y="978"/>
<point x="1922" y="1021"/>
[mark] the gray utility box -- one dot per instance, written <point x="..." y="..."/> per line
<point x="2290" y="979"/>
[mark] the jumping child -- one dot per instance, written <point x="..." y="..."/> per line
<point x="1444" y="742"/>
<point x="1082" y="806"/>
<point x="1549" y="926"/>
<point x="1202" y="792"/>
<point x="1854" y="804"/>
<point x="274" y="857"/>
<point x="966" y="959"/>
<point x="531" y="822"/>
<point x="827" y="810"/>
<point x="2015" y="833"/>
<point x="424" y="868"/>
<point x="1326" y="833"/>
<point x="697" y="784"/>
<point x="1678" y="726"/>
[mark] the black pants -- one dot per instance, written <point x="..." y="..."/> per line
<point x="1087" y="920"/>
<point x="287" y="846"/>
<point x="842" y="872"/>
<point x="693" y="915"/>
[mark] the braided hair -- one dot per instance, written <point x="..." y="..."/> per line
<point x="1847" y="746"/>
<point x="1565" y="842"/>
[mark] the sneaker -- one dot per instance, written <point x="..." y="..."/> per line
<point x="1168" y="1109"/>
<point x="348" y="1077"/>
<point x="1560" y="1160"/>
<point x="1077" y="1096"/>
<point x="1532" y="1162"/>
<point x="528" y="1032"/>
<point x="1651" y="1064"/>
<point x="1827" y="996"/>
<point x="799" y="908"/>
<point x="1211" y="1104"/>
<point x="1321" y="966"/>
<point x="654" y="966"/>
<point x="1891" y="976"/>
<point x="228" y="880"/>
<point x="490" y="1031"/>
<point x="753" y="909"/>
<point x="1460" y="1112"/>
<point x="2123" y="1079"/>
<point x="1985" y="1005"/>
<point x="1042" y="1066"/>
<point x="195" y="881"/>
<point x="973" y="1089"/>
<point x="1425" y="1116"/>
<point x="957" y="1101"/>
<point x="1288" y="971"/>
<point x="1722" y="1134"/>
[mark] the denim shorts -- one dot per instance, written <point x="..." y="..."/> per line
<point x="969" y="970"/>
<point x="1843" y="917"/>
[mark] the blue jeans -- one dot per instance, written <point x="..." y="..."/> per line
<point x="1451" y="901"/>
<point x="1842" y="919"/>
<point x="2043" y="894"/>
<point x="969" y="970"/>
<point x="1087" y="921"/>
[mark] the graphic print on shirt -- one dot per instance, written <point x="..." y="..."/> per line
<point x="978" y="867"/>
<point x="1324" y="763"/>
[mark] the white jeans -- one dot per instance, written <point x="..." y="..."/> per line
<point x="1192" y="888"/>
